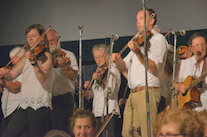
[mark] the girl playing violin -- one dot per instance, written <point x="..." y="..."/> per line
<point x="35" y="103"/>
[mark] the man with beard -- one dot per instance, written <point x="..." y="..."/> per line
<point x="194" y="66"/>
<point x="65" y="74"/>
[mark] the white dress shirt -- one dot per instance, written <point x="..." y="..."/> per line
<point x="136" y="71"/>
<point x="62" y="83"/>
<point x="10" y="101"/>
<point x="98" y="94"/>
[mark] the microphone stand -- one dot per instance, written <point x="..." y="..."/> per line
<point x="81" y="105"/>
<point x="173" y="92"/>
<point x="113" y="38"/>
<point x="146" y="67"/>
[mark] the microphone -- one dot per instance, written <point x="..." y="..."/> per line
<point x="181" y="32"/>
<point x="115" y="37"/>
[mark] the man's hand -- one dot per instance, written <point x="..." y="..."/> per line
<point x="182" y="88"/>
<point x="96" y="75"/>
<point x="3" y="72"/>
<point x="114" y="57"/>
<point x="133" y="46"/>
<point x="122" y="101"/>
<point x="59" y="62"/>
<point x="86" y="84"/>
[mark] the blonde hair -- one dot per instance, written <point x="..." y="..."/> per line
<point x="187" y="120"/>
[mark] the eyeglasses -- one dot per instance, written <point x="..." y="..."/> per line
<point x="98" y="57"/>
<point x="173" y="135"/>
<point x="202" y="45"/>
<point x="53" y="40"/>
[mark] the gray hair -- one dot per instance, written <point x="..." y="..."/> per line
<point x="56" y="34"/>
<point x="157" y="28"/>
<point x="15" y="50"/>
<point x="99" y="47"/>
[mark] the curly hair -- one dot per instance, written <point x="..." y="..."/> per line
<point x="187" y="120"/>
<point x="82" y="113"/>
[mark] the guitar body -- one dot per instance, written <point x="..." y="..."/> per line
<point x="192" y="95"/>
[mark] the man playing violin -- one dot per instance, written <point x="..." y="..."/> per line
<point x="194" y="66"/>
<point x="66" y="73"/>
<point x="97" y="91"/>
<point x="11" y="91"/>
<point x="135" y="114"/>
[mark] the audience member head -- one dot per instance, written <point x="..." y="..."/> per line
<point x="52" y="37"/>
<point x="33" y="33"/>
<point x="14" y="51"/>
<point x="99" y="52"/>
<point x="183" y="122"/>
<point x="184" y="52"/>
<point x="202" y="115"/>
<point x="83" y="123"/>
<point x="197" y="44"/>
<point x="57" y="133"/>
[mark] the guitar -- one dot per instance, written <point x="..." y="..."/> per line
<point x="192" y="93"/>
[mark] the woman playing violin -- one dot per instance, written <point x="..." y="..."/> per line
<point x="97" y="90"/>
<point x="35" y="103"/>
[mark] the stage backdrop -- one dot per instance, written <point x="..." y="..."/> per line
<point x="89" y="65"/>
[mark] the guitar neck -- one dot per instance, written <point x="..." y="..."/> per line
<point x="196" y="81"/>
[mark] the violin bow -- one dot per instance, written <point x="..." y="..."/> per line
<point x="135" y="37"/>
<point x="31" y="48"/>
<point x="105" y="123"/>
<point x="58" y="43"/>
<point x="163" y="120"/>
<point x="125" y="91"/>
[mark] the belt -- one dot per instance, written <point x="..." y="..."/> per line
<point x="142" y="88"/>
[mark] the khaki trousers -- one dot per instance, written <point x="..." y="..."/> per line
<point x="135" y="115"/>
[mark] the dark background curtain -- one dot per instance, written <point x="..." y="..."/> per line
<point x="88" y="64"/>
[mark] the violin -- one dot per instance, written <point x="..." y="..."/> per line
<point x="38" y="51"/>
<point x="31" y="48"/>
<point x="138" y="37"/>
<point x="62" y="54"/>
<point x="103" y="72"/>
